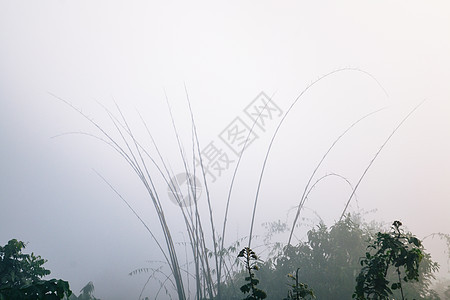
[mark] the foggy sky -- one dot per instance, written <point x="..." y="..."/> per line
<point x="132" y="52"/>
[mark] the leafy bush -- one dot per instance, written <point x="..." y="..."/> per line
<point x="329" y="262"/>
<point x="20" y="275"/>
<point x="396" y="254"/>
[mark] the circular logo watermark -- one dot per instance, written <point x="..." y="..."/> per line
<point x="183" y="189"/>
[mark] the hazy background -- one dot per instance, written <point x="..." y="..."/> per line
<point x="131" y="51"/>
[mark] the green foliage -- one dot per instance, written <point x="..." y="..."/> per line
<point x="18" y="269"/>
<point x="299" y="289"/>
<point x="42" y="289"/>
<point x="394" y="249"/>
<point x="20" y="275"/>
<point x="328" y="261"/>
<point x="87" y="293"/>
<point x="251" y="264"/>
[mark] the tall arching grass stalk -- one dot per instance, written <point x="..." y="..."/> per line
<point x="376" y="155"/>
<point x="210" y="262"/>
<point x="297" y="99"/>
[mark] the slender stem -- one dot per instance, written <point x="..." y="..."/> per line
<point x="281" y="123"/>
<point x="305" y="194"/>
<point x="376" y="155"/>
<point x="400" y="282"/>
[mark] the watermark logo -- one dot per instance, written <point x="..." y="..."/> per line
<point x="183" y="189"/>
<point x="220" y="154"/>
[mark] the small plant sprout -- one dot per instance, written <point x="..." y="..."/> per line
<point x="299" y="290"/>
<point x="251" y="260"/>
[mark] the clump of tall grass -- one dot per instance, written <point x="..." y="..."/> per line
<point x="210" y="264"/>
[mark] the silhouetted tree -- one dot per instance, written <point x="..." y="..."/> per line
<point x="20" y="276"/>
